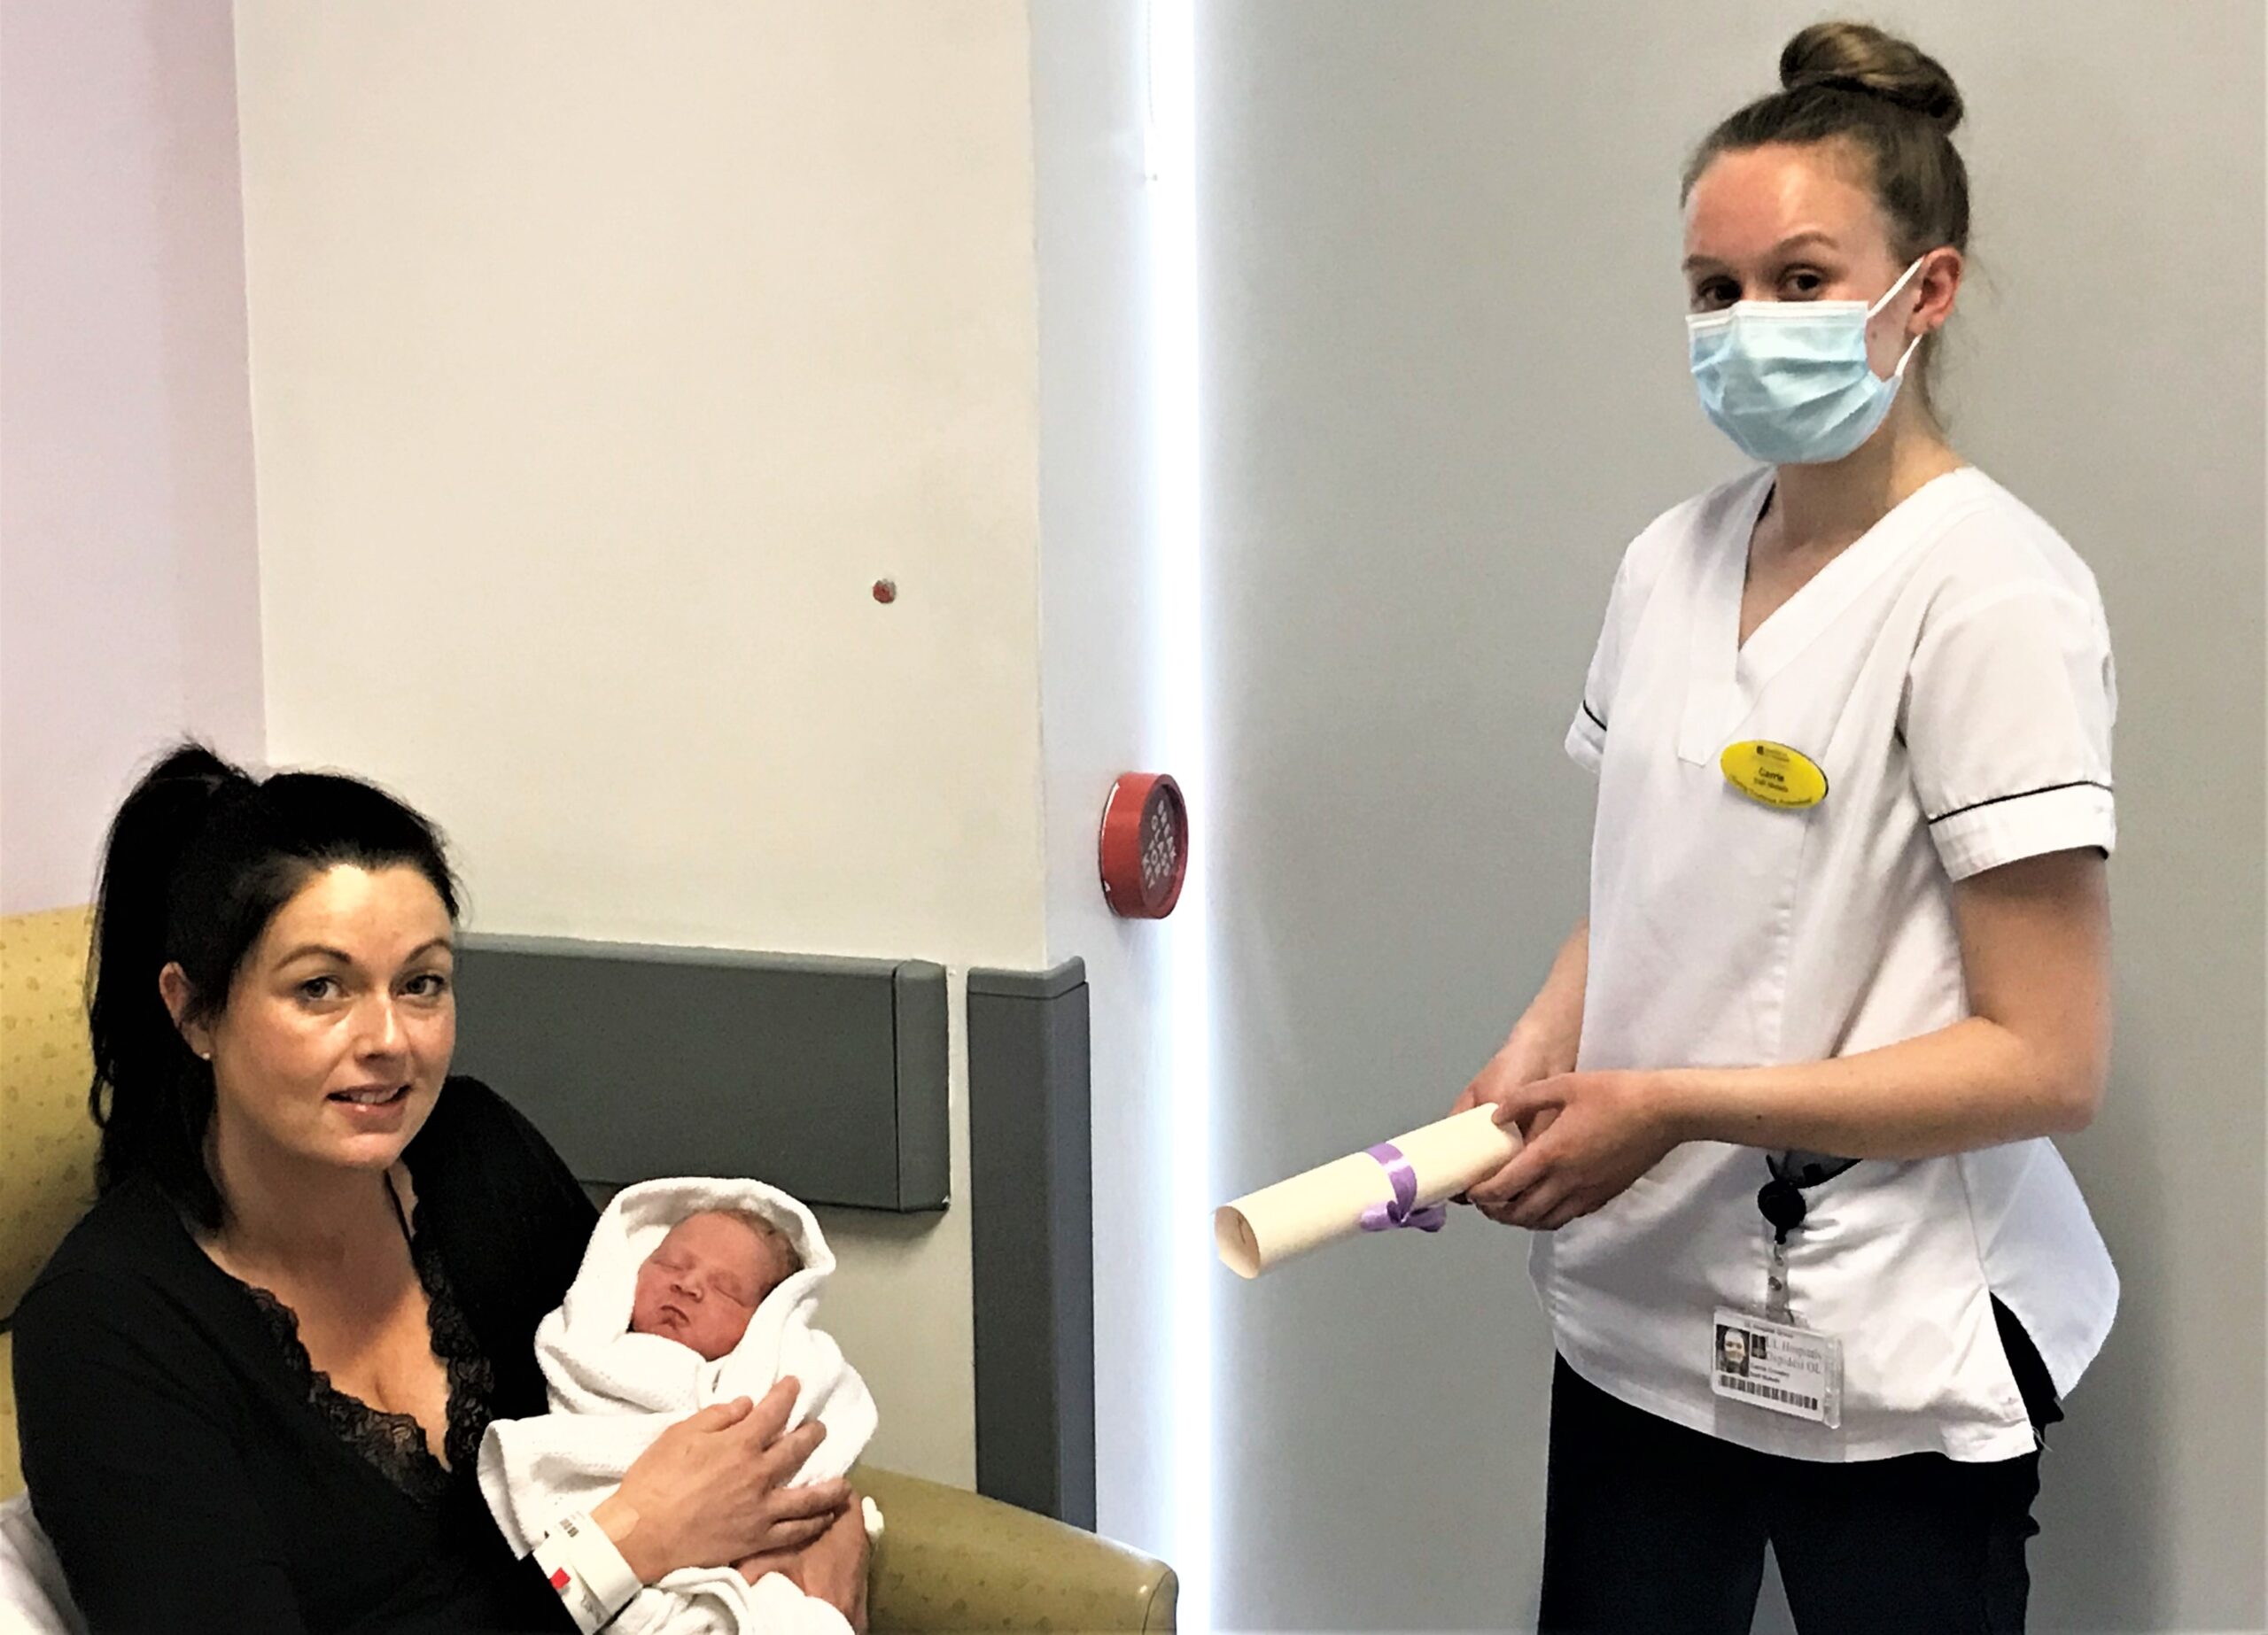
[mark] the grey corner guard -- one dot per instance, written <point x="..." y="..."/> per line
<point x="1031" y="1228"/>
<point x="825" y="1077"/>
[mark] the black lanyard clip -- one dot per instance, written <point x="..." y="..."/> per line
<point x="1780" y="1200"/>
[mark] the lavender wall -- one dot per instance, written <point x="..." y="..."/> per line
<point x="130" y="598"/>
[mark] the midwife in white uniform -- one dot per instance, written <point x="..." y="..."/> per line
<point x="1846" y="966"/>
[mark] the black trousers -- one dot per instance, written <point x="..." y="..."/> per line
<point x="1650" y="1526"/>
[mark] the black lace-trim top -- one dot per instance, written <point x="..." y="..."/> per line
<point x="395" y="1443"/>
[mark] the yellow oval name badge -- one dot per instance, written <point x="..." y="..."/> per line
<point x="1774" y="773"/>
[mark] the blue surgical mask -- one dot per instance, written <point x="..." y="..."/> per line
<point x="1789" y="381"/>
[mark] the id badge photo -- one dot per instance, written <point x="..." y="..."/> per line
<point x="1776" y="1365"/>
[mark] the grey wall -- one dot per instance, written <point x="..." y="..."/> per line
<point x="1445" y="384"/>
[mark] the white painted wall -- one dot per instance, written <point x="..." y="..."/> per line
<point x="1445" y="383"/>
<point x="1107" y="708"/>
<point x="602" y="357"/>
<point x="128" y="594"/>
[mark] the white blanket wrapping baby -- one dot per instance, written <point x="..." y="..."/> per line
<point x="613" y="1391"/>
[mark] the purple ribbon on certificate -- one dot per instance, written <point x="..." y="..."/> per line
<point x="1386" y="1217"/>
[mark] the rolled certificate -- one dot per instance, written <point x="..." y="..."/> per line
<point x="1397" y="1183"/>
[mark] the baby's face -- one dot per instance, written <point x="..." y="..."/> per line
<point x="703" y="1283"/>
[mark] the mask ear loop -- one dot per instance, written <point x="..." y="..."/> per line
<point x="1907" y="357"/>
<point x="1889" y="295"/>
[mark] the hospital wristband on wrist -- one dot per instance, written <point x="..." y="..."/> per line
<point x="594" y="1582"/>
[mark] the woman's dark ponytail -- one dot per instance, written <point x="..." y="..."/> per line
<point x="200" y="858"/>
<point x="162" y="1119"/>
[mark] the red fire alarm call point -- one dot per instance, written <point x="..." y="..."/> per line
<point x="1145" y="846"/>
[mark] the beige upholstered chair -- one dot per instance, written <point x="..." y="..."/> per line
<point x="949" y="1561"/>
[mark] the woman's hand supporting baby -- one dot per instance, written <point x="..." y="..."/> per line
<point x="712" y="1489"/>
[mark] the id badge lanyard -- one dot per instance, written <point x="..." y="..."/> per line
<point x="1780" y="1203"/>
<point x="1777" y="1361"/>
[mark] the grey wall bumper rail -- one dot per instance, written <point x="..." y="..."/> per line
<point x="825" y="1077"/>
<point x="1032" y="1239"/>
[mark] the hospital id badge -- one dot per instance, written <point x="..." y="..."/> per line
<point x="1776" y="1365"/>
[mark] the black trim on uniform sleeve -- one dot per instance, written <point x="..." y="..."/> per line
<point x="1593" y="715"/>
<point x="2023" y="795"/>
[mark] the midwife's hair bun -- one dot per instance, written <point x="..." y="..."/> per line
<point x="1859" y="57"/>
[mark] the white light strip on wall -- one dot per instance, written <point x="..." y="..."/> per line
<point x="1171" y="162"/>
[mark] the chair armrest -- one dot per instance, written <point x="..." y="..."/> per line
<point x="952" y="1562"/>
<point x="12" y="1475"/>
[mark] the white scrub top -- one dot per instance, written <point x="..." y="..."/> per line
<point x="1951" y="673"/>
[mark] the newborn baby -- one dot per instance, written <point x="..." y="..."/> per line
<point x="704" y="1281"/>
<point x="692" y="1292"/>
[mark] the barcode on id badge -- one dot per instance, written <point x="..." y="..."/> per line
<point x="1733" y="1382"/>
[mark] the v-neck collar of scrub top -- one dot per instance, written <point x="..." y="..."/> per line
<point x="1724" y="676"/>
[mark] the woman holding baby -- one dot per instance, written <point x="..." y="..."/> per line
<point x="253" y="1380"/>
